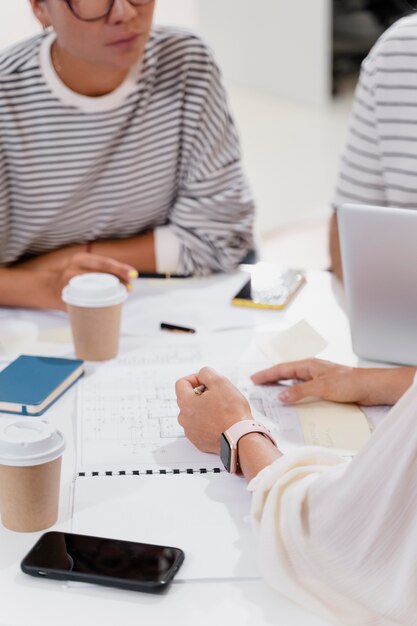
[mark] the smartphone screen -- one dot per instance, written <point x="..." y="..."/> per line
<point x="112" y="562"/>
<point x="269" y="288"/>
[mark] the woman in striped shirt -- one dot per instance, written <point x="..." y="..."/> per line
<point x="117" y="152"/>
<point x="379" y="161"/>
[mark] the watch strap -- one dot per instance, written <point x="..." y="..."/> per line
<point x="236" y="432"/>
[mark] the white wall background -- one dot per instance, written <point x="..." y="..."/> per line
<point x="280" y="47"/>
<point x="16" y="21"/>
<point x="179" y="12"/>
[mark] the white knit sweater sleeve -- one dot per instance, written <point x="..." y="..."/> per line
<point x="341" y="538"/>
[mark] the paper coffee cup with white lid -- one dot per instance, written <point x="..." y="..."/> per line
<point x="94" y="303"/>
<point x="30" y="470"/>
<point x="27" y="441"/>
<point x="94" y="290"/>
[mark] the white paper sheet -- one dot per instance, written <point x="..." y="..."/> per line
<point x="127" y="414"/>
<point x="127" y="411"/>
<point x="204" y="514"/>
<point x="204" y="305"/>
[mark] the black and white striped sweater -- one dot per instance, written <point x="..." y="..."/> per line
<point x="160" y="152"/>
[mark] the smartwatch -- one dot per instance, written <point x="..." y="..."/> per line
<point x="230" y="438"/>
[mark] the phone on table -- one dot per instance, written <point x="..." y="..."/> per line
<point x="110" y="562"/>
<point x="269" y="287"/>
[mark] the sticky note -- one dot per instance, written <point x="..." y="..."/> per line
<point x="300" y="341"/>
<point x="333" y="425"/>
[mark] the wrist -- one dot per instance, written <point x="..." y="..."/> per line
<point x="385" y="386"/>
<point x="255" y="453"/>
<point x="51" y="299"/>
<point x="230" y="438"/>
<point x="40" y="290"/>
<point x="403" y="379"/>
<point x="231" y="421"/>
<point x="250" y="439"/>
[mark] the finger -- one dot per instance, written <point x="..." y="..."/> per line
<point x="284" y="371"/>
<point x="180" y="419"/>
<point x="183" y="422"/>
<point x="208" y="376"/>
<point x="185" y="386"/>
<point x="299" y="391"/>
<point x="193" y="380"/>
<point x="103" y="264"/>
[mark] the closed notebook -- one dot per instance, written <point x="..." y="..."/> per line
<point x="30" y="384"/>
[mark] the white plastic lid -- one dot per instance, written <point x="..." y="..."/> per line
<point x="25" y="442"/>
<point x="94" y="290"/>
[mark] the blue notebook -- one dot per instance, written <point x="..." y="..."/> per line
<point x="30" y="384"/>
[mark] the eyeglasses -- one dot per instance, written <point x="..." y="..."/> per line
<point x="92" y="10"/>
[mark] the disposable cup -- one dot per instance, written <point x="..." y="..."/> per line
<point x="94" y="303"/>
<point x="16" y="335"/>
<point x="30" y="470"/>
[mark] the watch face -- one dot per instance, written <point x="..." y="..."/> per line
<point x="225" y="452"/>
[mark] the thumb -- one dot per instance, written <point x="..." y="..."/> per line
<point x="299" y="391"/>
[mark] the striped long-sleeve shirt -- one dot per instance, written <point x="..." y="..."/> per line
<point x="160" y="152"/>
<point x="379" y="164"/>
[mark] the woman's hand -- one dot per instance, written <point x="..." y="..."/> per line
<point x="83" y="263"/>
<point x="330" y="381"/>
<point x="204" y="417"/>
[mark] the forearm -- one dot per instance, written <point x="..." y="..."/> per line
<point x="380" y="386"/>
<point x="255" y="453"/>
<point x="334" y="248"/>
<point x="138" y="251"/>
<point x="385" y="386"/>
<point x="25" y="288"/>
<point x="55" y="260"/>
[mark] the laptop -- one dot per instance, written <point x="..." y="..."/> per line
<point x="379" y="256"/>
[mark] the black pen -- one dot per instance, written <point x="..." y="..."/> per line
<point x="176" y="329"/>
<point x="166" y="275"/>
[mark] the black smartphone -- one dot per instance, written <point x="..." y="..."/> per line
<point x="109" y="562"/>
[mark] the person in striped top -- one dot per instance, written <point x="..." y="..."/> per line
<point x="379" y="161"/>
<point x="117" y="152"/>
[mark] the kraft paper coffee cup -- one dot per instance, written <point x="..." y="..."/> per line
<point x="30" y="471"/>
<point x="16" y="336"/>
<point x="94" y="303"/>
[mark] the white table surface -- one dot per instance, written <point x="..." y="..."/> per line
<point x="25" y="600"/>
